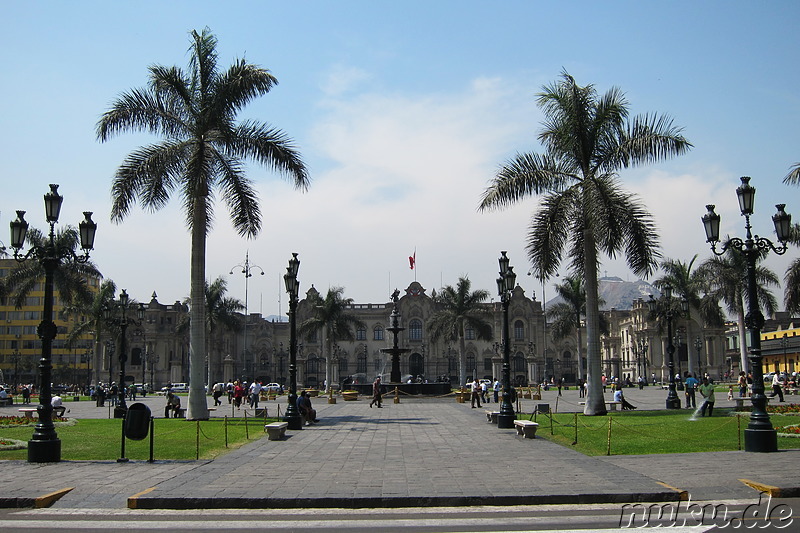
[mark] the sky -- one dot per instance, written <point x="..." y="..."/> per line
<point x="403" y="112"/>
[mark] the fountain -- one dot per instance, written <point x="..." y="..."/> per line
<point x="395" y="350"/>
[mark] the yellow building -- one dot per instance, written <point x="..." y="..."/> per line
<point x="780" y="349"/>
<point x="21" y="348"/>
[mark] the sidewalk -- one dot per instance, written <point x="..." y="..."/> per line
<point x="420" y="452"/>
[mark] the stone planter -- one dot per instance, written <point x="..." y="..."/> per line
<point x="349" y="396"/>
<point x="312" y="393"/>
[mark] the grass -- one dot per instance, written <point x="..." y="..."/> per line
<point x="651" y="432"/>
<point x="174" y="438"/>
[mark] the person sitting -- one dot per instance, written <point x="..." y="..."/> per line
<point x="304" y="406"/>
<point x="58" y="407"/>
<point x="619" y="397"/>
<point x="173" y="405"/>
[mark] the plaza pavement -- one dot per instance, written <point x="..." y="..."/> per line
<point x="419" y="452"/>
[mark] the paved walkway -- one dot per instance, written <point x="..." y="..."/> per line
<point x="416" y="453"/>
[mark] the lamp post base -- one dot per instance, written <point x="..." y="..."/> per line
<point x="505" y="421"/>
<point x="295" y="421"/>
<point x="760" y="440"/>
<point x="44" y="451"/>
<point x="673" y="403"/>
<point x="119" y="411"/>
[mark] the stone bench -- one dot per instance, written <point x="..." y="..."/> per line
<point x="740" y="401"/>
<point x="276" y="430"/>
<point x="526" y="428"/>
<point x="491" y="416"/>
<point x="4" y="402"/>
<point x="180" y="413"/>
<point x="28" y="411"/>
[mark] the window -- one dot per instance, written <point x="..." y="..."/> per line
<point x="470" y="363"/>
<point x="343" y="365"/>
<point x="519" y="363"/>
<point x="415" y="330"/>
<point x="416" y="365"/>
<point x="378" y="364"/>
<point x="361" y="334"/>
<point x="469" y="333"/>
<point x="519" y="330"/>
<point x="312" y="337"/>
<point x="487" y="363"/>
<point x="377" y="333"/>
<point x="361" y="364"/>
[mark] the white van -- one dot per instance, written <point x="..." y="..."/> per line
<point x="176" y="387"/>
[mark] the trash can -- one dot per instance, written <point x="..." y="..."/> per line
<point x="137" y="421"/>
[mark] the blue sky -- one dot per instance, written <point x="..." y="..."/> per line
<point x="403" y="111"/>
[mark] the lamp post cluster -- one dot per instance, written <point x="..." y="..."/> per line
<point x="45" y="446"/>
<point x="640" y="350"/>
<point x="292" y="414"/>
<point x="698" y="346"/>
<point x="665" y="306"/>
<point x="247" y="270"/>
<point x="759" y="436"/>
<point x="505" y="285"/>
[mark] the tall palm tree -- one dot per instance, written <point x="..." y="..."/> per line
<point x="202" y="155"/>
<point x="330" y="316"/>
<point x="566" y="315"/>
<point x="459" y="308"/>
<point x="791" y="294"/>
<point x="726" y="276"/>
<point x="692" y="285"/>
<point x="221" y="313"/>
<point x="588" y="139"/>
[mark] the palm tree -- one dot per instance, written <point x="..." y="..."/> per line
<point x="726" y="276"/>
<point x="331" y="317"/>
<point x="692" y="285"/>
<point x="221" y="314"/>
<point x="70" y="279"/>
<point x="94" y="322"/>
<point x="588" y="139"/>
<point x="791" y="295"/>
<point x="566" y="315"/>
<point x="202" y="155"/>
<point x="459" y="308"/>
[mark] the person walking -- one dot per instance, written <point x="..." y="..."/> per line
<point x="218" y="389"/>
<point x="742" y="384"/>
<point x="776" y="387"/>
<point x="476" y="393"/>
<point x="255" y="393"/>
<point x="377" y="394"/>
<point x="496" y="390"/>
<point x="707" y="391"/>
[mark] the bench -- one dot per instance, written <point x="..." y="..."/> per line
<point x="180" y="412"/>
<point x="491" y="416"/>
<point x="740" y="401"/>
<point x="276" y="430"/>
<point x="6" y="401"/>
<point x="526" y="428"/>
<point x="612" y="405"/>
<point x="28" y="411"/>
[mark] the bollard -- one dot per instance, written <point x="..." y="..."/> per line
<point x="576" y="429"/>
<point x="152" y="426"/>
<point x="225" y="425"/>
<point x="197" y="441"/>
<point x="608" y="447"/>
<point x="331" y="399"/>
<point x="246" y="432"/>
<point x="396" y="395"/>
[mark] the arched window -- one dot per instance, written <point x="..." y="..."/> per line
<point x="519" y="330"/>
<point x="343" y="365"/>
<point x="415" y="330"/>
<point x="361" y="334"/>
<point x="471" y="363"/>
<point x="361" y="363"/>
<point x="518" y="363"/>
<point x="377" y="333"/>
<point x="469" y="333"/>
<point x="416" y="365"/>
<point x="487" y="363"/>
<point x="136" y="357"/>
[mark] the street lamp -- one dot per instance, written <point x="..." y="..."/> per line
<point x="292" y="414"/>
<point x="784" y="345"/>
<point x="151" y="358"/>
<point x="45" y="446"/>
<point x="117" y="315"/>
<point x="759" y="436"/>
<point x="247" y="269"/>
<point x="640" y="348"/>
<point x="505" y="285"/>
<point x="664" y="305"/>
<point x="698" y="345"/>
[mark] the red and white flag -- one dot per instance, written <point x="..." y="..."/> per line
<point x="412" y="260"/>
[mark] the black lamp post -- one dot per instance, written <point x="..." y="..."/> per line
<point x="151" y="358"/>
<point x="45" y="446"/>
<point x="247" y="269"/>
<point x="698" y="345"/>
<point x="505" y="285"/>
<point x="666" y="307"/>
<point x="117" y="315"/>
<point x="759" y="436"/>
<point x="784" y="344"/>
<point x="15" y="355"/>
<point x="292" y="414"/>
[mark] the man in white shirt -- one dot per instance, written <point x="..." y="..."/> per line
<point x="776" y="386"/>
<point x="58" y="407"/>
<point x="255" y="392"/>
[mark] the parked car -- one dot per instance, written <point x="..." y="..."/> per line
<point x="272" y="387"/>
<point x="783" y="376"/>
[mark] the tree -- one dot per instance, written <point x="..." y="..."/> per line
<point x="221" y="314"/>
<point x="726" y="276"/>
<point x="566" y="315"/>
<point x="587" y="139"/>
<point x="201" y="156"/>
<point x="791" y="294"/>
<point x="459" y="308"/>
<point x="692" y="285"/>
<point x="330" y="316"/>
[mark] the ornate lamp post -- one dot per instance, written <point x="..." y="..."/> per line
<point x="784" y="344"/>
<point x="151" y="358"/>
<point x="247" y="270"/>
<point x="505" y="285"/>
<point x="698" y="345"/>
<point x="759" y="436"/>
<point x="292" y="414"/>
<point x="45" y="446"/>
<point x="117" y="315"/>
<point x="665" y="305"/>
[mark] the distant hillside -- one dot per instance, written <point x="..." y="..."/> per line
<point x="619" y="294"/>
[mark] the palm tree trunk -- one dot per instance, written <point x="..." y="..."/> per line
<point x="197" y="408"/>
<point x="595" y="402"/>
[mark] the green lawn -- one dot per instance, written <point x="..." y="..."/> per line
<point x="649" y="432"/>
<point x="174" y="438"/>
